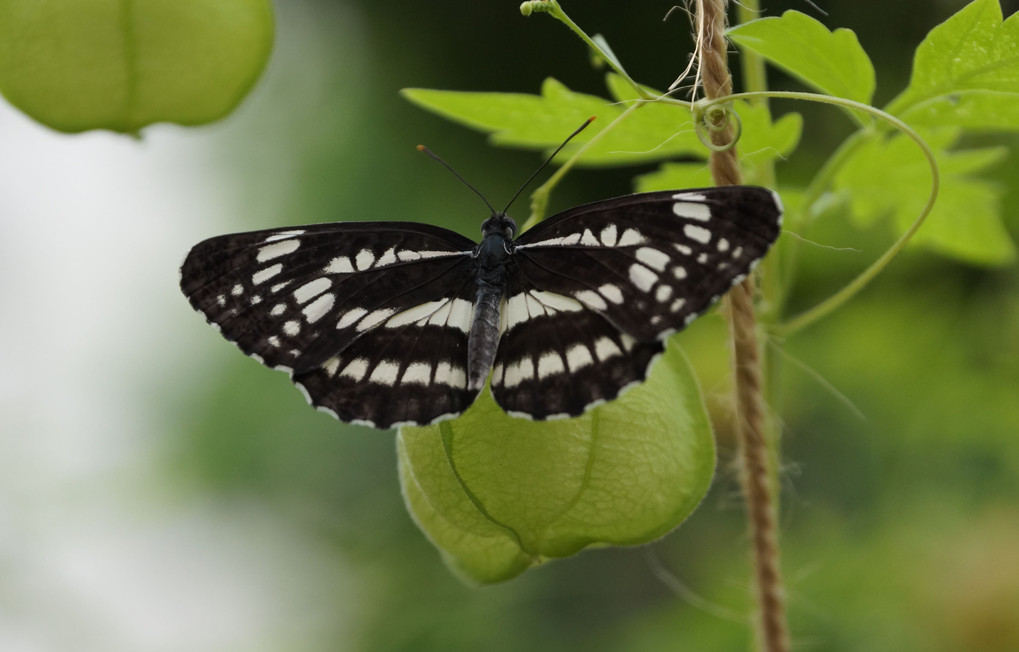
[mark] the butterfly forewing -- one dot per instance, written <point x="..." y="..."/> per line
<point x="337" y="304"/>
<point x="650" y="263"/>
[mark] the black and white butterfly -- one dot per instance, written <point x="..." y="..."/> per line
<point x="394" y="323"/>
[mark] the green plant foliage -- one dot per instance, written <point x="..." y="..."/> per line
<point x="498" y="495"/>
<point x="831" y="62"/>
<point x="966" y="72"/>
<point x="966" y="221"/>
<point x="107" y="64"/>
<point x="654" y="132"/>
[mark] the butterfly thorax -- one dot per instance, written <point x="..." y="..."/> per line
<point x="491" y="258"/>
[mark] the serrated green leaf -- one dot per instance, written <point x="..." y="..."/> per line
<point x="497" y="495"/>
<point x="966" y="72"/>
<point x="832" y="62"/>
<point x="106" y="64"/>
<point x="891" y="178"/>
<point x="655" y="132"/>
<point x="976" y="110"/>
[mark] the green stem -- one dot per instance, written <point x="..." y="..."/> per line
<point x="552" y="8"/>
<point x="539" y="198"/>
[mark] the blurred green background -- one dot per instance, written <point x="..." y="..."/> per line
<point x="160" y="491"/>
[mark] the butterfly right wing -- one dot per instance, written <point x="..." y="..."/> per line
<point x="370" y="319"/>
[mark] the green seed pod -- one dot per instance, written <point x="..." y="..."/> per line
<point x="498" y="495"/>
<point x="107" y="64"/>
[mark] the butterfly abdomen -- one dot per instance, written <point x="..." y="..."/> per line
<point x="492" y="258"/>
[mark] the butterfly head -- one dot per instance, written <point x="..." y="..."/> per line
<point x="499" y="224"/>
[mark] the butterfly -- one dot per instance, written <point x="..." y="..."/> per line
<point x="399" y="323"/>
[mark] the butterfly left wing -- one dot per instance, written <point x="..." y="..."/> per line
<point x="370" y="319"/>
<point x="601" y="286"/>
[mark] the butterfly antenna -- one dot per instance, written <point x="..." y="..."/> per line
<point x="422" y="148"/>
<point x="547" y="161"/>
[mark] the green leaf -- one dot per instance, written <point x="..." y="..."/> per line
<point x="966" y="72"/>
<point x="891" y="178"/>
<point x="655" y="132"/>
<point x="671" y="176"/>
<point x="832" y="62"/>
<point x="109" y="64"/>
<point x="498" y="495"/>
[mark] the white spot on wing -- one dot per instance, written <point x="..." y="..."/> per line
<point x="589" y="239"/>
<point x="629" y="238"/>
<point x="417" y="373"/>
<point x="723" y="244"/>
<point x="516" y="310"/>
<point x="283" y="235"/>
<point x="364" y="259"/>
<point x="689" y="196"/>
<point x="642" y="277"/>
<point x="460" y="314"/>
<point x="448" y="374"/>
<point x="608" y="235"/>
<point x="604" y="348"/>
<point x="385" y="373"/>
<point x="312" y="289"/>
<point x="653" y="258"/>
<point x="557" y="301"/>
<point x="692" y="211"/>
<point x="350" y="317"/>
<point x="387" y="258"/>
<point x="292" y="328"/>
<point x="679" y="272"/>
<point x="355" y="370"/>
<point x="319" y="307"/>
<point x="677" y="305"/>
<point x="534" y="308"/>
<point x="331" y="366"/>
<point x="663" y="293"/>
<point x="415" y="314"/>
<point x="374" y="318"/>
<point x="578" y="357"/>
<point x="591" y="299"/>
<point x="277" y="249"/>
<point x="611" y="292"/>
<point x="339" y="265"/>
<point x="237" y="290"/>
<point x="518" y="372"/>
<point x="263" y="275"/>
<point x="698" y="233"/>
<point x="440" y="316"/>
<point x="407" y="254"/>
<point x="682" y="248"/>
<point x="550" y="364"/>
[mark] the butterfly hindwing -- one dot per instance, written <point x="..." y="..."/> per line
<point x="411" y="369"/>
<point x="558" y="357"/>
<point x="309" y="299"/>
